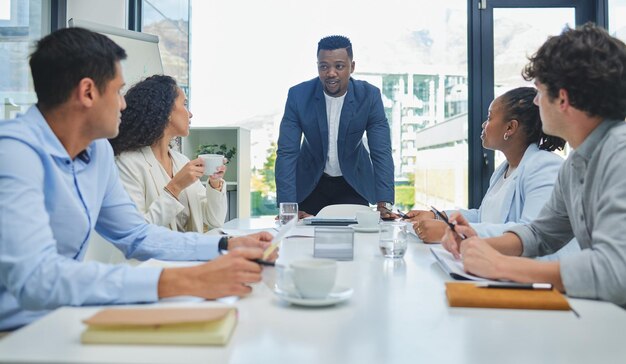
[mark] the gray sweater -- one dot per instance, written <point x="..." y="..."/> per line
<point x="588" y="202"/>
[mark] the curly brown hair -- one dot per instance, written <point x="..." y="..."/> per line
<point x="149" y="104"/>
<point x="589" y="64"/>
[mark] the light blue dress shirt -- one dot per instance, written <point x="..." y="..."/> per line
<point x="49" y="204"/>
<point x="530" y="188"/>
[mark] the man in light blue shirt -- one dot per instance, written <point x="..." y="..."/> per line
<point x="58" y="182"/>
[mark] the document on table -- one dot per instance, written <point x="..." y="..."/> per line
<point x="452" y="266"/>
<point x="242" y="232"/>
<point x="296" y="232"/>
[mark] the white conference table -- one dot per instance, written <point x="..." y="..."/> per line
<point x="398" y="314"/>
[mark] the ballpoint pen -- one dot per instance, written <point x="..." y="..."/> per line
<point x="445" y="219"/>
<point x="264" y="262"/>
<point x="513" y="285"/>
<point x="402" y="214"/>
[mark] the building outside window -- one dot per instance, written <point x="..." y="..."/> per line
<point x="617" y="18"/>
<point x="22" y="23"/>
<point x="415" y="52"/>
<point x="169" y="20"/>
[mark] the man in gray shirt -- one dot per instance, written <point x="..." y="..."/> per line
<point x="581" y="80"/>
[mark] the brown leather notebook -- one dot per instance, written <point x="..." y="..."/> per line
<point x="469" y="295"/>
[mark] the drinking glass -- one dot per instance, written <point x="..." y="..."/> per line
<point x="393" y="239"/>
<point x="287" y="211"/>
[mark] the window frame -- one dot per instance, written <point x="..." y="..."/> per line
<point x="480" y="70"/>
<point x="481" y="75"/>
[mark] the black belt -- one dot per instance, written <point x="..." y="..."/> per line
<point x="327" y="176"/>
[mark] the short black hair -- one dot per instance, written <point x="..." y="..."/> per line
<point x="66" y="56"/>
<point x="518" y="104"/>
<point x="149" y="104"/>
<point x="333" y="42"/>
<point x="589" y="64"/>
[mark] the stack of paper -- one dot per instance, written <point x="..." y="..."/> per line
<point x="164" y="326"/>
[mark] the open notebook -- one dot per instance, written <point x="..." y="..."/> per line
<point x="452" y="266"/>
<point x="470" y="295"/>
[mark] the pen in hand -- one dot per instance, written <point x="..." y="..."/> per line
<point x="445" y="219"/>
<point x="264" y="262"/>
<point x="402" y="215"/>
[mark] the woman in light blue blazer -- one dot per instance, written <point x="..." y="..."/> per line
<point x="521" y="185"/>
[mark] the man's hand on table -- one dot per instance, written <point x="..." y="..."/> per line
<point x="227" y="275"/>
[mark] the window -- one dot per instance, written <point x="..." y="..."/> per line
<point x="21" y="24"/>
<point x="414" y="51"/>
<point x="169" y="20"/>
<point x="517" y="34"/>
<point x="617" y="18"/>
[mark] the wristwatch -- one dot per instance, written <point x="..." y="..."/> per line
<point x="222" y="245"/>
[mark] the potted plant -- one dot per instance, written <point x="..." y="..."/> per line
<point x="222" y="149"/>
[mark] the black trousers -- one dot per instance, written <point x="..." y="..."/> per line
<point x="330" y="191"/>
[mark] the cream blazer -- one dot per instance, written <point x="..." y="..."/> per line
<point x="144" y="179"/>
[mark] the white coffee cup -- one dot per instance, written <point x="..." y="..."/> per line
<point x="368" y="218"/>
<point x="314" y="278"/>
<point x="211" y="162"/>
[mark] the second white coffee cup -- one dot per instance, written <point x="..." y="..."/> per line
<point x="211" y="162"/>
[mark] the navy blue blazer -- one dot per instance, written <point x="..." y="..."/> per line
<point x="300" y="161"/>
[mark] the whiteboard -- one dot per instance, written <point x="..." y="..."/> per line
<point x="142" y="49"/>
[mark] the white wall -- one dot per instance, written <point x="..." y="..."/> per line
<point x="110" y="12"/>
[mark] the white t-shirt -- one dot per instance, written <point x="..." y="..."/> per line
<point x="491" y="207"/>
<point x="333" y="114"/>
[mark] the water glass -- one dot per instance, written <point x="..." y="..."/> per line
<point x="287" y="211"/>
<point x="393" y="239"/>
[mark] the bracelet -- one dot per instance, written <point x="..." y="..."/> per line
<point x="169" y="192"/>
<point x="219" y="186"/>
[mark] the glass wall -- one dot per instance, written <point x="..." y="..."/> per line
<point x="21" y="24"/>
<point x="617" y="18"/>
<point x="243" y="64"/>
<point x="169" y="20"/>
<point x="517" y="34"/>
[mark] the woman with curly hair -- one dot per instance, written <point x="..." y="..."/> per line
<point x="522" y="184"/>
<point x="163" y="183"/>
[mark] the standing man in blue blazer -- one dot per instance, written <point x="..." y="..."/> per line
<point x="331" y="164"/>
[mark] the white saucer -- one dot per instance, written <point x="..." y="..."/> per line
<point x="364" y="229"/>
<point x="338" y="294"/>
